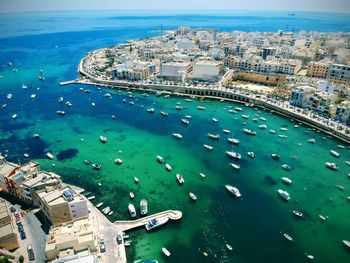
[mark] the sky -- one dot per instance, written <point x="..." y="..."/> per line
<point x="342" y="6"/>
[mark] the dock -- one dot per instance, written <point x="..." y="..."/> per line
<point x="69" y="82"/>
<point x="123" y="226"/>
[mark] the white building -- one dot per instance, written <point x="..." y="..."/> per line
<point x="175" y="70"/>
<point x="185" y="44"/>
<point x="301" y="95"/>
<point x="207" y="70"/>
<point x="343" y="111"/>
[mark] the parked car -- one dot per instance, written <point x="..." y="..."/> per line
<point x="12" y="209"/>
<point x="20" y="227"/>
<point x="102" y="248"/>
<point x="23" y="235"/>
<point x="18" y="221"/>
<point x="119" y="239"/>
<point x="102" y="239"/>
<point x="30" y="252"/>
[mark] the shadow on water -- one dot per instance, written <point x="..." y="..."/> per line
<point x="67" y="154"/>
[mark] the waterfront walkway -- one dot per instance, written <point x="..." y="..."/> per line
<point x="123" y="226"/>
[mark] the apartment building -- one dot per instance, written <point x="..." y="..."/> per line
<point x="339" y="74"/>
<point x="8" y="236"/>
<point x="300" y="96"/>
<point x="207" y="70"/>
<point x="175" y="70"/>
<point x="317" y="70"/>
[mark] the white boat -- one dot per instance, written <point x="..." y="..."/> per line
<point x="248" y="131"/>
<point x="91" y="198"/>
<point x="263" y="127"/>
<point x="26" y="155"/>
<point x="251" y="154"/>
<point x="164" y="113"/>
<point x="9" y="96"/>
<point x="245" y="116"/>
<point x="229" y="247"/>
<point x="118" y="161"/>
<point x="131" y="195"/>
<point x="234" y="155"/>
<point x="310" y="256"/>
<point x="233" y="140"/>
<point x="180" y="179"/>
<point x="103" y="139"/>
<point x="262" y="118"/>
<point x="282" y="136"/>
<point x="238" y="109"/>
<point x="110" y="213"/>
<point x="283" y="129"/>
<point x="132" y="210"/>
<point x="286" y="180"/>
<point x="166" y="252"/>
<point x="235" y="166"/>
<point x="192" y="196"/>
<point x="332" y="166"/>
<point x="297" y="213"/>
<point x="233" y="190"/>
<point x="188" y="100"/>
<point x="60" y="100"/>
<point x="201" y="107"/>
<point x="214" y="136"/>
<point x="155" y="223"/>
<point x="275" y="156"/>
<point x="346" y="243"/>
<point x="168" y="167"/>
<point x="61" y="112"/>
<point x="210" y="148"/>
<point x="143" y="207"/>
<point x="99" y="205"/>
<point x="151" y="110"/>
<point x="136" y="180"/>
<point x="284" y="194"/>
<point x="49" y="155"/>
<point x="341" y="146"/>
<point x="69" y="104"/>
<point x="312" y="141"/>
<point x="286" y="167"/>
<point x="36" y="135"/>
<point x="185" y="121"/>
<point x="188" y="117"/>
<point x="107" y="210"/>
<point x="3" y="105"/>
<point x="214" y="120"/>
<point x="232" y="111"/>
<point x="272" y="131"/>
<point x="288" y="237"/>
<point x="108" y="95"/>
<point x="96" y="166"/>
<point x="177" y="135"/>
<point x="14" y="116"/>
<point x="179" y="107"/>
<point x="334" y="153"/>
<point x="202" y="175"/>
<point x="160" y="159"/>
<point x="322" y="217"/>
<point x="33" y="96"/>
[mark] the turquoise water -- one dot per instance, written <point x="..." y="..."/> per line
<point x="253" y="226"/>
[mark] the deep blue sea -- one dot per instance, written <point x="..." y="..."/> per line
<point x="56" y="41"/>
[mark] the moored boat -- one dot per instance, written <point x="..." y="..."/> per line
<point x="50" y="155"/>
<point x="14" y="116"/>
<point x="103" y="139"/>
<point x="166" y="252"/>
<point x="185" y="121"/>
<point x="192" y="196"/>
<point x="288" y="237"/>
<point x="131" y="195"/>
<point x="312" y="141"/>
<point x="164" y="113"/>
<point x="284" y="194"/>
<point x="286" y="167"/>
<point x="251" y="154"/>
<point x="234" y="155"/>
<point x="132" y="210"/>
<point x="160" y="159"/>
<point x="210" y="148"/>
<point x="275" y="156"/>
<point x="233" y="140"/>
<point x="346" y="243"/>
<point x="177" y="135"/>
<point x="226" y="131"/>
<point x="286" y="180"/>
<point x="155" y="223"/>
<point x="214" y="119"/>
<point x="168" y="167"/>
<point x="143" y="207"/>
<point x="96" y="166"/>
<point x="235" y="166"/>
<point x="233" y="190"/>
<point x="229" y="247"/>
<point x="238" y="109"/>
<point x="297" y="213"/>
<point x="118" y="161"/>
<point x="245" y="116"/>
<point x="136" y="180"/>
<point x="201" y="107"/>
<point x="263" y="127"/>
<point x="99" y="205"/>
<point x="332" y="166"/>
<point x="248" y="131"/>
<point x="180" y="179"/>
<point x="151" y="110"/>
<point x="334" y="153"/>
<point x="214" y="136"/>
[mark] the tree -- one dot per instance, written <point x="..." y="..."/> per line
<point x="21" y="259"/>
<point x="4" y="259"/>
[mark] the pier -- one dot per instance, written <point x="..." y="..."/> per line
<point x="123" y="226"/>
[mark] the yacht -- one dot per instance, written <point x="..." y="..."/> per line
<point x="263" y="127"/>
<point x="332" y="166"/>
<point x="91" y="198"/>
<point x="136" y="180"/>
<point x="214" y="120"/>
<point x="177" y="135"/>
<point x="180" y="179"/>
<point x="168" y="167"/>
<point x="160" y="159"/>
<point x="288" y="237"/>
<point x="322" y="217"/>
<point x="155" y="223"/>
<point x="60" y="100"/>
<point x="232" y="111"/>
<point x="346" y="243"/>
<point x="283" y="129"/>
<point x="188" y="117"/>
<point x="151" y="110"/>
<point x="61" y="112"/>
<point x="132" y="210"/>
<point x="275" y="156"/>
<point x="164" y="113"/>
<point x="143" y="207"/>
<point x="235" y="166"/>
<point x="118" y="161"/>
<point x="192" y="196"/>
<point x="210" y="148"/>
<point x="272" y="131"/>
<point x="185" y="121"/>
<point x="96" y="166"/>
<point x="226" y="131"/>
<point x="284" y="194"/>
<point x="286" y="167"/>
<point x="166" y="252"/>
<point x="50" y="155"/>
<point x="14" y="116"/>
<point x="262" y="118"/>
<point x="99" y="205"/>
<point x="312" y="141"/>
<point x="334" y="153"/>
<point x="9" y="96"/>
<point x="87" y="162"/>
<point x="107" y="210"/>
<point x="248" y="131"/>
<point x="202" y="175"/>
<point x="238" y="109"/>
<point x="179" y="107"/>
<point x="33" y="96"/>
<point x="286" y="180"/>
<point x="131" y="195"/>
<point x="103" y="139"/>
<point x="229" y="247"/>
<point x="233" y="190"/>
<point x="233" y="140"/>
<point x="214" y="136"/>
<point x="234" y="155"/>
<point x="245" y="116"/>
<point x="297" y="213"/>
<point x="108" y="95"/>
<point x="201" y="107"/>
<point x="251" y="154"/>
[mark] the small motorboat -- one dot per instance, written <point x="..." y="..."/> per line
<point x="208" y="147"/>
<point x="9" y="96"/>
<point x="251" y="154"/>
<point x="185" y="121"/>
<point x="96" y="166"/>
<point x="214" y="120"/>
<point x="286" y="167"/>
<point x="36" y="136"/>
<point x="288" y="237"/>
<point x="192" y="196"/>
<point x="151" y="110"/>
<point x="234" y="155"/>
<point x="160" y="159"/>
<point x="214" y="136"/>
<point x="263" y="127"/>
<point x="26" y="155"/>
<point x="103" y="139"/>
<point x="136" y="180"/>
<point x="33" y="96"/>
<point x="346" y="243"/>
<point x="334" y="153"/>
<point x="131" y="195"/>
<point x="248" y="131"/>
<point x="50" y="155"/>
<point x="297" y="213"/>
<point x="233" y="190"/>
<point x="275" y="156"/>
<point x="164" y="113"/>
<point x="322" y="217"/>
<point x="118" y="161"/>
<point x="87" y="162"/>
<point x="235" y="166"/>
<point x="331" y="166"/>
<point x="284" y="194"/>
<point x="233" y="141"/>
<point x="286" y="180"/>
<point x="168" y="167"/>
<point x="166" y="252"/>
<point x="60" y="100"/>
<point x="202" y="175"/>
<point x="272" y="131"/>
<point x="312" y="141"/>
<point x="226" y="131"/>
<point x="229" y="247"/>
<point x="180" y="179"/>
<point x="61" y="112"/>
<point x="201" y="107"/>
<point x="177" y="135"/>
<point x="14" y="116"/>
<point x="99" y="205"/>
